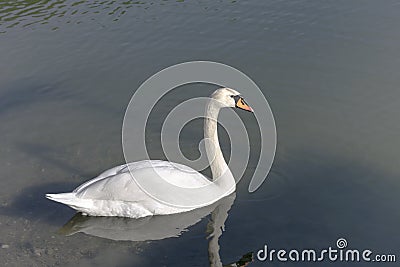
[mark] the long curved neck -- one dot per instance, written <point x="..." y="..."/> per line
<point x="220" y="170"/>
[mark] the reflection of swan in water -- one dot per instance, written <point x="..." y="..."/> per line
<point x="159" y="227"/>
<point x="142" y="229"/>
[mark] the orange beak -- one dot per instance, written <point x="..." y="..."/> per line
<point x="240" y="103"/>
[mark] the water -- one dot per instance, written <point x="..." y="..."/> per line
<point x="328" y="69"/>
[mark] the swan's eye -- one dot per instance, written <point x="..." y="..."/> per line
<point x="236" y="98"/>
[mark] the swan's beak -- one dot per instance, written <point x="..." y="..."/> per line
<point x="240" y="103"/>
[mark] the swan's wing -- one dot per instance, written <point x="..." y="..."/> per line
<point x="118" y="184"/>
<point x="105" y="174"/>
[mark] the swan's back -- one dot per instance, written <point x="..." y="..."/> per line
<point x="113" y="183"/>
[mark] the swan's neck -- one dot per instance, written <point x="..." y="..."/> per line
<point x="220" y="171"/>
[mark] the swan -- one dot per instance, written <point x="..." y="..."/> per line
<point x="115" y="193"/>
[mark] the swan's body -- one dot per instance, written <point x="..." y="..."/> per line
<point x="115" y="193"/>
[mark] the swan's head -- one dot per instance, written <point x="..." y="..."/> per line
<point x="230" y="98"/>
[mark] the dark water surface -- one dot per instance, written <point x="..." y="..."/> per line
<point x="329" y="70"/>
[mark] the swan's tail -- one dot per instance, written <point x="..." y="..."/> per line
<point x="71" y="200"/>
<point x="65" y="198"/>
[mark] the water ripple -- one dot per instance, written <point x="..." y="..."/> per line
<point x="26" y="13"/>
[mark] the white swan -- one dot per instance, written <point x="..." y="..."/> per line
<point x="115" y="193"/>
